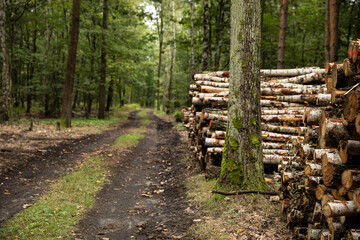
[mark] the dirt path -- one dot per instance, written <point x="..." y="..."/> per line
<point x="145" y="198"/>
<point x="22" y="184"/>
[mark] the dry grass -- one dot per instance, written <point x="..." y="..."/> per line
<point x="236" y="217"/>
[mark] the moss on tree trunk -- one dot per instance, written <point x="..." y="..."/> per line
<point x="242" y="166"/>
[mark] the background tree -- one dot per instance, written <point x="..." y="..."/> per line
<point x="4" y="100"/>
<point x="102" y="86"/>
<point x="205" y="50"/>
<point x="66" y="113"/>
<point x="282" y="34"/>
<point x="333" y="26"/>
<point x="242" y="166"/>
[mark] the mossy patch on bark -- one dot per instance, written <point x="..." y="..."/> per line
<point x="253" y="121"/>
<point x="254" y="140"/>
<point x="234" y="144"/>
<point x="237" y="123"/>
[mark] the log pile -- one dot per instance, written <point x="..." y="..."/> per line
<point x="321" y="183"/>
<point x="287" y="96"/>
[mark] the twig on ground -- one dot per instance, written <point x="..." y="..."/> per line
<point x="243" y="192"/>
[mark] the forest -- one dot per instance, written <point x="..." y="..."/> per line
<point x="179" y="119"/>
<point x="145" y="52"/>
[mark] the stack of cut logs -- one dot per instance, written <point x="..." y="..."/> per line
<point x="287" y="97"/>
<point x="321" y="184"/>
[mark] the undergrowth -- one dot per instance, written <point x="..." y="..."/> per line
<point x="54" y="215"/>
<point x="221" y="216"/>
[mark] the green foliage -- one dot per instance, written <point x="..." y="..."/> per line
<point x="178" y="116"/>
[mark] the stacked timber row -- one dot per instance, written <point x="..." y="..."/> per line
<point x="286" y="95"/>
<point x="321" y="184"/>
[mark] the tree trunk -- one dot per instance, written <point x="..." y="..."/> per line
<point x="172" y="64"/>
<point x="164" y="100"/>
<point x="242" y="166"/>
<point x="327" y="33"/>
<point x="160" y="33"/>
<point x="110" y="96"/>
<point x="282" y="35"/>
<point x="4" y="100"/>
<point x="192" y="35"/>
<point x="205" y="36"/>
<point x="333" y="25"/>
<point x="70" y="70"/>
<point x="102" y="89"/>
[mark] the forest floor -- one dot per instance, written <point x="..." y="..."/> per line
<point x="153" y="190"/>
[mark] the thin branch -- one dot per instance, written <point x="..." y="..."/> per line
<point x="243" y="192"/>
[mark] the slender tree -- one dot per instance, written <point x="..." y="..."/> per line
<point x="4" y="100"/>
<point x="71" y="63"/>
<point x="333" y="26"/>
<point x="327" y="33"/>
<point x="192" y="35"/>
<point x="205" y="50"/>
<point x="282" y="34"/>
<point x="102" y="84"/>
<point x="160" y="28"/>
<point x="164" y="100"/>
<point x="242" y="166"/>
<point x="172" y="63"/>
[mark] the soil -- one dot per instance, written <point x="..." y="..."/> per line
<point x="146" y="196"/>
<point x="26" y="170"/>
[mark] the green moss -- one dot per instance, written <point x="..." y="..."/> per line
<point x="253" y="121"/>
<point x="234" y="144"/>
<point x="257" y="98"/>
<point x="239" y="37"/>
<point x="254" y="140"/>
<point x="243" y="64"/>
<point x="236" y="92"/>
<point x="233" y="174"/>
<point x="237" y="123"/>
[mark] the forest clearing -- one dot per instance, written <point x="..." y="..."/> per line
<point x="173" y="119"/>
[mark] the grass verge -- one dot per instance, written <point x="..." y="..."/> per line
<point x="129" y="139"/>
<point x="226" y="218"/>
<point x="60" y="209"/>
<point x="144" y="119"/>
<point x="118" y="115"/>
<point x="54" y="215"/>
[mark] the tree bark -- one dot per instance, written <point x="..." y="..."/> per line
<point x="205" y="50"/>
<point x="192" y="35"/>
<point x="4" y="100"/>
<point x="160" y="34"/>
<point x="102" y="84"/>
<point x="327" y="33"/>
<point x="333" y="25"/>
<point x="242" y="165"/>
<point x="172" y="64"/>
<point x="282" y="35"/>
<point x="164" y="99"/>
<point x="70" y="70"/>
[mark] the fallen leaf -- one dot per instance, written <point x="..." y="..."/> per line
<point x="147" y="195"/>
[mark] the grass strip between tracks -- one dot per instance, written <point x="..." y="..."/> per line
<point x="60" y="209"/>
